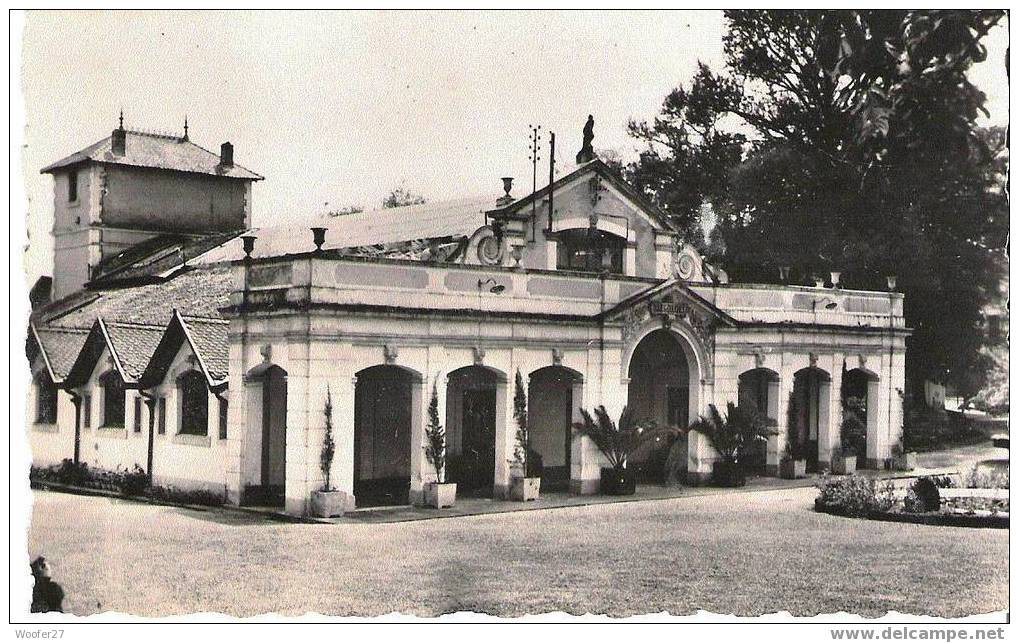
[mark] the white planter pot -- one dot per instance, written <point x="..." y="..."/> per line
<point x="524" y="489"/>
<point x="440" y="495"/>
<point x="793" y="469"/>
<point x="844" y="466"/>
<point x="325" y="504"/>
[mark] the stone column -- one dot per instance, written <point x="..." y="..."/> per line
<point x="778" y="408"/>
<point x="505" y="435"/>
<point x="829" y="416"/>
<point x="421" y="470"/>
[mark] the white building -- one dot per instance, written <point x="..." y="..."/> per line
<point x="224" y="362"/>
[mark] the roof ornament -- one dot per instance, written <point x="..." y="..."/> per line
<point x="185" y="137"/>
<point x="121" y="118"/>
<point x="586" y="152"/>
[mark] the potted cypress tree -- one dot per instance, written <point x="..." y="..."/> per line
<point x="843" y="461"/>
<point x="732" y="437"/>
<point x="794" y="458"/>
<point x="617" y="443"/>
<point x="327" y="501"/>
<point x="525" y="479"/>
<point x="438" y="494"/>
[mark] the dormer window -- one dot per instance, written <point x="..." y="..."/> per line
<point x="590" y="250"/>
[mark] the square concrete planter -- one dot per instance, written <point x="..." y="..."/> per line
<point x="524" y="489"/>
<point x="440" y="495"/>
<point x="792" y="469"/>
<point x="326" y="504"/>
<point x="844" y="465"/>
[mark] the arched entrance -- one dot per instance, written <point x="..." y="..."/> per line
<point x="810" y="412"/>
<point x="554" y="394"/>
<point x="860" y="413"/>
<point x="662" y="377"/>
<point x="758" y="388"/>
<point x="265" y="471"/>
<point x="471" y="417"/>
<point x="383" y="416"/>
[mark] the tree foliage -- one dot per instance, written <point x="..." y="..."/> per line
<point x="401" y="196"/>
<point x="846" y="140"/>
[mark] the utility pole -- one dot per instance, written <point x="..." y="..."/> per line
<point x="534" y="158"/>
<point x="551" y="176"/>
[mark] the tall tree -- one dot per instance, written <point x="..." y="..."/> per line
<point x="861" y="154"/>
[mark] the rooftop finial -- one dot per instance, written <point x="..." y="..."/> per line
<point x="586" y="152"/>
<point x="121" y="118"/>
<point x="185" y="127"/>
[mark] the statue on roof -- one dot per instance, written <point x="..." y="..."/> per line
<point x="586" y="152"/>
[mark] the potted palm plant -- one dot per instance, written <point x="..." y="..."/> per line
<point x="617" y="443"/>
<point x="525" y="479"/>
<point x="732" y="437"/>
<point x="327" y="501"/>
<point x="438" y="494"/>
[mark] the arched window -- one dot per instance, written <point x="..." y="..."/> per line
<point x="590" y="250"/>
<point x="45" y="400"/>
<point x="113" y="399"/>
<point x="194" y="403"/>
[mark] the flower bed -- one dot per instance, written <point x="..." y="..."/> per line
<point x="934" y="500"/>
<point x="79" y="476"/>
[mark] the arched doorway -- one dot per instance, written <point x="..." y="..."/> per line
<point x="265" y="468"/>
<point x="383" y="416"/>
<point x="809" y="410"/>
<point x="758" y="388"/>
<point x="860" y="413"/>
<point x="554" y="394"/>
<point x="471" y="417"/>
<point x="660" y="389"/>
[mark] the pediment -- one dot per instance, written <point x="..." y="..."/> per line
<point x="671" y="302"/>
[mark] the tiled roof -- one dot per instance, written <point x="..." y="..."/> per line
<point x="156" y="256"/>
<point x="455" y="218"/>
<point x="160" y="151"/>
<point x="61" y="347"/>
<point x="197" y="292"/>
<point x="134" y="346"/>
<point x="211" y="344"/>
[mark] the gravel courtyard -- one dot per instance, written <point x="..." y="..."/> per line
<point x="744" y="554"/>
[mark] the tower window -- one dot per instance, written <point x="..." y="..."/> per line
<point x="590" y="250"/>
<point x="72" y="186"/>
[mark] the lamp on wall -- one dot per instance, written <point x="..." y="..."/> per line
<point x="829" y="304"/>
<point x="494" y="287"/>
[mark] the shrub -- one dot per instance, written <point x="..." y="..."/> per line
<point x="852" y="496"/>
<point x="174" y="495"/>
<point x="134" y="482"/>
<point x="923" y="495"/>
<point x="72" y="473"/>
<point x="994" y="478"/>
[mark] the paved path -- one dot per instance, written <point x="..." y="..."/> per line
<point x="737" y="552"/>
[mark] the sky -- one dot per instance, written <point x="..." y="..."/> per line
<point x="335" y="109"/>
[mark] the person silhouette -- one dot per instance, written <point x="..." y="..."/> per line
<point x="47" y="595"/>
